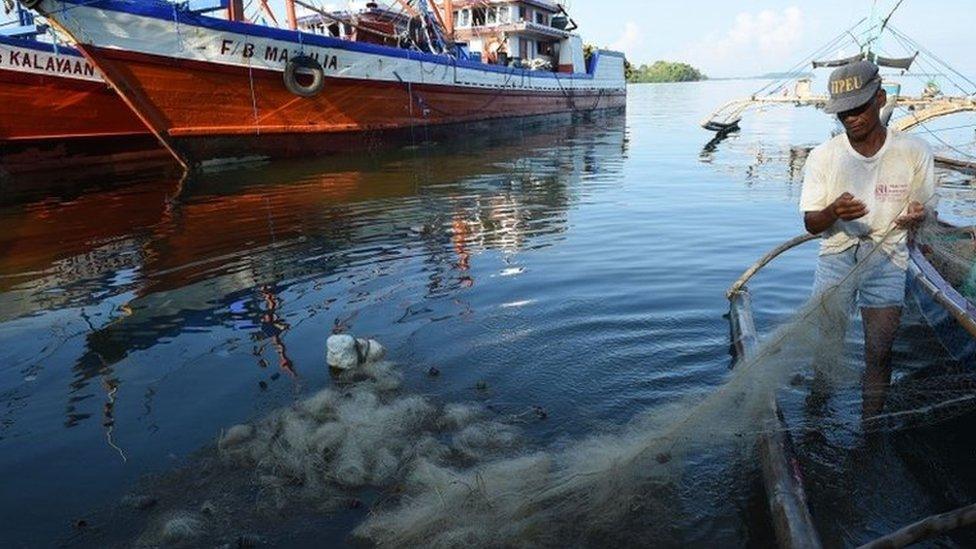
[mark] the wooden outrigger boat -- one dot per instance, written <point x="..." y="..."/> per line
<point x="953" y="318"/>
<point x="905" y="112"/>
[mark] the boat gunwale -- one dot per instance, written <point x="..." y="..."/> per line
<point x="940" y="290"/>
<point x="170" y="13"/>
<point x="37" y="45"/>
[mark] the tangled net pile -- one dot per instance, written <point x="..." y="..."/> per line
<point x="361" y="433"/>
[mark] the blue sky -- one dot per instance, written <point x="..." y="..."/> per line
<point x="727" y="38"/>
<point x="748" y="37"/>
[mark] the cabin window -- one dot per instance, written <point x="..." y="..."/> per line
<point x="504" y="15"/>
<point x="463" y="18"/>
<point x="521" y="13"/>
<point x="540" y="18"/>
<point x="478" y="17"/>
<point x="492" y="16"/>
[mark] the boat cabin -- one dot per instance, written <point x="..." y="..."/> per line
<point x="523" y="33"/>
<point x="374" y="24"/>
<point x="531" y="34"/>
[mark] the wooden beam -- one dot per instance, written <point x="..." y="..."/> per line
<point x="267" y="9"/>
<point x="437" y="14"/>
<point x="235" y="10"/>
<point x="928" y="528"/>
<point x="449" y="19"/>
<point x="407" y="7"/>
<point x="782" y="478"/>
<point x="290" y="12"/>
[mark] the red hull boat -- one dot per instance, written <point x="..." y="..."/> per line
<point x="220" y="90"/>
<point x="60" y="113"/>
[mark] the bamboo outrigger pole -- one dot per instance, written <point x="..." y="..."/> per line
<point x="928" y="528"/>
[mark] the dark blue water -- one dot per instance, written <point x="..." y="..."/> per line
<point x="578" y="268"/>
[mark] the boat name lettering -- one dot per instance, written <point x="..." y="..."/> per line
<point x="47" y="63"/>
<point x="274" y="54"/>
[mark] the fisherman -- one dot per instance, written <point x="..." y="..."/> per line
<point x="864" y="189"/>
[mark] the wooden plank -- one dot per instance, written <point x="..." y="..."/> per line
<point x="781" y="473"/>
<point x="784" y="485"/>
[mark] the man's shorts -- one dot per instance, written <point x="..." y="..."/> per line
<point x="878" y="282"/>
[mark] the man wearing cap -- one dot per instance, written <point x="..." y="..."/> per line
<point x="863" y="191"/>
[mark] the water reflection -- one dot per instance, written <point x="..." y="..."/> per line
<point x="139" y="266"/>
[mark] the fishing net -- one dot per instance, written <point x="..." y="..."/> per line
<point x="458" y="474"/>
<point x="630" y="486"/>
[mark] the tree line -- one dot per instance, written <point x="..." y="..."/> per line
<point x="663" y="71"/>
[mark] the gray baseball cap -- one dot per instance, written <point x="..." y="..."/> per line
<point x="851" y="86"/>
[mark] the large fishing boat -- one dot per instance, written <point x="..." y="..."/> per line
<point x="215" y="89"/>
<point x="58" y="111"/>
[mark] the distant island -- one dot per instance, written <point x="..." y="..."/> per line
<point x="784" y="75"/>
<point x="663" y="71"/>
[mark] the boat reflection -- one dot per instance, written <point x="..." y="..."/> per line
<point x="151" y="262"/>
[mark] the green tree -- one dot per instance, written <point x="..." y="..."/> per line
<point x="666" y="71"/>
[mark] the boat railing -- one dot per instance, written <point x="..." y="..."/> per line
<point x="782" y="478"/>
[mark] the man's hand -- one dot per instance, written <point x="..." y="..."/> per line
<point x="848" y="208"/>
<point x="913" y="216"/>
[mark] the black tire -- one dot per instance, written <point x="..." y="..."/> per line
<point x="307" y="64"/>
<point x="30" y="4"/>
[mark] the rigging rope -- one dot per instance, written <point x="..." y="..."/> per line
<point x="796" y="69"/>
<point x="935" y="58"/>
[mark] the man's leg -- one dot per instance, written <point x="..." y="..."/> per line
<point x="880" y="327"/>
<point x="833" y="296"/>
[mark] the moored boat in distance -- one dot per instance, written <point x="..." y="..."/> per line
<point x="59" y="113"/>
<point x="216" y="90"/>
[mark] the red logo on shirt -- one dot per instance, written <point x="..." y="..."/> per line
<point x="886" y="192"/>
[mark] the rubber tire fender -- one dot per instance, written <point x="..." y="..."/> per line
<point x="308" y="64"/>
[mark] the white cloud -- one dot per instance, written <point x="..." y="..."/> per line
<point x="765" y="40"/>
<point x="631" y="40"/>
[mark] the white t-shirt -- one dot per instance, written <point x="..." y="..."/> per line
<point x="901" y="172"/>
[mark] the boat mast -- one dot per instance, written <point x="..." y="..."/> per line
<point x="437" y="13"/>
<point x="290" y="12"/>
<point x="235" y="10"/>
<point x="449" y="19"/>
<point x="878" y="26"/>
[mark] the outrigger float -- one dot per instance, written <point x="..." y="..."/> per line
<point x="215" y="90"/>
